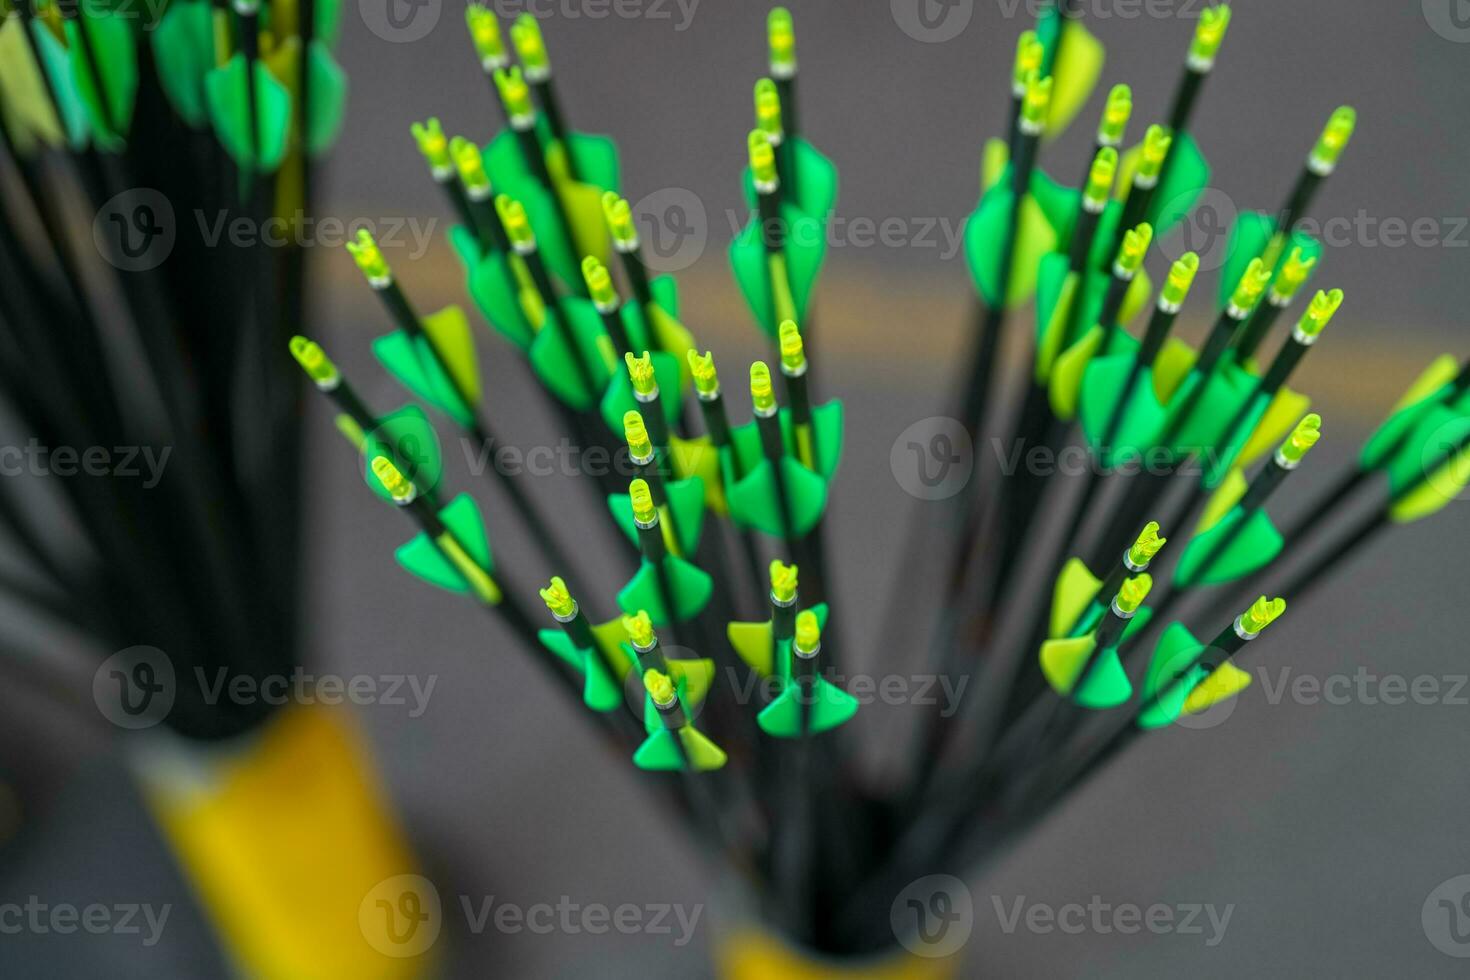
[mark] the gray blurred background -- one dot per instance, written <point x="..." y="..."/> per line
<point x="1324" y="826"/>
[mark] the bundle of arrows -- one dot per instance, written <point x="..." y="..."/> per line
<point x="552" y="260"/>
<point x="153" y="382"/>
<point x="715" y="666"/>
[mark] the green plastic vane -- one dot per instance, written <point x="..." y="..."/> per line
<point x="1068" y="372"/>
<point x="1175" y="656"/>
<point x="1076" y="57"/>
<point x="1073" y="595"/>
<point x="1242" y="544"/>
<point x="228" y="102"/>
<point x="698" y="458"/>
<point x="661" y="752"/>
<point x="413" y="362"/>
<point x="109" y="101"/>
<point x="755" y="644"/>
<point x="409" y="440"/>
<point x="1106" y="684"/>
<point x="755" y="503"/>
<point x="657" y="327"/>
<point x="580" y="201"/>
<point x="690" y="585"/>
<point x="1226" y="391"/>
<point x="328" y="99"/>
<point x="821" y="707"/>
<point x="1176" y="682"/>
<point x="665" y="751"/>
<point x="1044" y="213"/>
<point x="1420" y="477"/>
<point x="601" y="689"/>
<point x="64" y="85"/>
<point x="830" y="708"/>
<point x="459" y="560"/>
<point x="674" y="744"/>
<point x="554" y="360"/>
<point x="1428" y="392"/>
<point x="1141" y="419"/>
<point x="1056" y="293"/>
<point x="1136" y="415"/>
<point x="754" y="499"/>
<point x="604" y="668"/>
<point x="1443" y="474"/>
<point x="779" y="287"/>
<point x="25" y="106"/>
<point x="328" y="21"/>
<point x="183" y="50"/>
<point x="827" y="425"/>
<point x="502" y="289"/>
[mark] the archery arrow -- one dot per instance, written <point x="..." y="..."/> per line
<point x="1086" y="668"/>
<point x="404" y="436"/>
<point x="1235" y="541"/>
<point x="653" y="319"/>
<point x="1079" y="598"/>
<point x="680" y="503"/>
<point x="777" y="257"/>
<point x="1189" y="677"/>
<point x="677" y="744"/>
<point x="596" y="652"/>
<point x="672" y="589"/>
<point x="1258" y="421"/>
<point x="1270" y="239"/>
